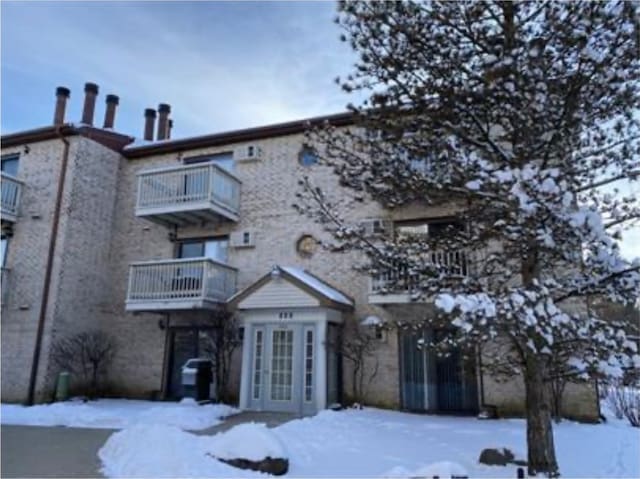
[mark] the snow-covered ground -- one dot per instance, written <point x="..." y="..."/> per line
<point x="371" y="443"/>
<point x="117" y="414"/>
<point x="153" y="441"/>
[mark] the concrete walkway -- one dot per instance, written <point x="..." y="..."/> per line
<point x="35" y="451"/>
<point x="271" y="419"/>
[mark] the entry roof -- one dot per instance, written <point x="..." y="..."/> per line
<point x="326" y="294"/>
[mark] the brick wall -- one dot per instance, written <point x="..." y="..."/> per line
<point x="100" y="236"/>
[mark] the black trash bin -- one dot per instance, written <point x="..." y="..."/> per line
<point x="197" y="375"/>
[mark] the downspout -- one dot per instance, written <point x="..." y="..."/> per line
<point x="49" y="268"/>
<point x="164" y="389"/>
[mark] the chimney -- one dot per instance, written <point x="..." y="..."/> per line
<point x="149" y="121"/>
<point x="62" y="95"/>
<point x="169" y="128"/>
<point x="110" y="112"/>
<point x="163" y="120"/>
<point x="90" y="94"/>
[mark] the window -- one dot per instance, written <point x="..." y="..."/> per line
<point x="307" y="156"/>
<point x="308" y="365"/>
<point x="433" y="228"/>
<point x="214" y="248"/>
<point x="429" y="164"/>
<point x="9" y="165"/>
<point x="223" y="160"/>
<point x="257" y="364"/>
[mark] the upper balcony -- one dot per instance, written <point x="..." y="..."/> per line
<point x="11" y="190"/>
<point x="179" y="284"/>
<point x="396" y="285"/>
<point x="188" y="194"/>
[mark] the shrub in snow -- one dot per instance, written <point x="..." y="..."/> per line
<point x="358" y="346"/>
<point x="624" y="401"/>
<point x="87" y="355"/>
<point x="219" y="344"/>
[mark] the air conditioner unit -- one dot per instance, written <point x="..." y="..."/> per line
<point x="248" y="153"/>
<point x="375" y="226"/>
<point x="243" y="239"/>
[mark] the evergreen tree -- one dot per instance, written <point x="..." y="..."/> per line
<point x="523" y="116"/>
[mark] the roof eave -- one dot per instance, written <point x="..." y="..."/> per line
<point x="237" y="136"/>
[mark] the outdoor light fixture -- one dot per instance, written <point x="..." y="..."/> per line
<point x="275" y="273"/>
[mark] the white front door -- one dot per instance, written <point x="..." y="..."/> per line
<point x="282" y="368"/>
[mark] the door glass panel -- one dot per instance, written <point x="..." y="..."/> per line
<point x="191" y="250"/>
<point x="223" y="160"/>
<point x="282" y="365"/>
<point x="257" y="365"/>
<point x="217" y="249"/>
<point x="308" y="365"/>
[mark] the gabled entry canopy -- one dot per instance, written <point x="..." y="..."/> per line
<point x="295" y="285"/>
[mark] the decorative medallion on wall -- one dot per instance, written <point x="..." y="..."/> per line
<point x="306" y="246"/>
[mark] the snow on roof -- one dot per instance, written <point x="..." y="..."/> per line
<point x="317" y="284"/>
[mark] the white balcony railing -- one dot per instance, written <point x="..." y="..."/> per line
<point x="400" y="280"/>
<point x="10" y="192"/>
<point x="194" y="283"/>
<point x="188" y="188"/>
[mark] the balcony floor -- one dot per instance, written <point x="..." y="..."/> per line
<point x="159" y="306"/>
<point x="187" y="214"/>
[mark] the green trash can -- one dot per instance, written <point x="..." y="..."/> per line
<point x="62" y="386"/>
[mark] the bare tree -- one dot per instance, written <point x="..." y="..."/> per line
<point x="88" y="355"/>
<point x="221" y="343"/>
<point x="357" y="344"/>
<point x="519" y="116"/>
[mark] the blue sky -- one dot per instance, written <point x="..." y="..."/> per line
<point x="221" y="65"/>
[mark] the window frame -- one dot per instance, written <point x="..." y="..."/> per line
<point x="7" y="158"/>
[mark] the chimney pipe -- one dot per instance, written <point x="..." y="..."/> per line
<point x="169" y="128"/>
<point x="110" y="112"/>
<point x="90" y="94"/>
<point x="163" y="120"/>
<point x="149" y="121"/>
<point x="62" y="94"/>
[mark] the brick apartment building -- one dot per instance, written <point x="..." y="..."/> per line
<point x="144" y="239"/>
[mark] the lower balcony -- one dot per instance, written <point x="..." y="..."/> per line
<point x="397" y="285"/>
<point x="179" y="284"/>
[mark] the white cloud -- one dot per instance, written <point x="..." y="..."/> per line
<point x="247" y="67"/>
